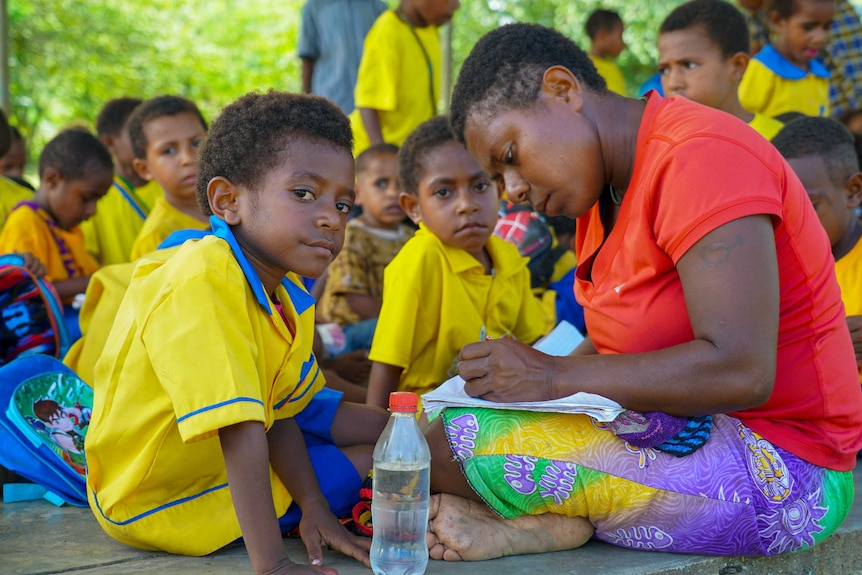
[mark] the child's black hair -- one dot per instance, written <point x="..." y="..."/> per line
<point x="114" y="115"/>
<point x="787" y="117"/>
<point x="152" y="109"/>
<point x="505" y="69"/>
<point x="825" y="138"/>
<point x="71" y="151"/>
<point x="784" y="8"/>
<point x="602" y="20"/>
<point x="374" y="151"/>
<point x="428" y="135"/>
<point x="723" y="23"/>
<point x="845" y="118"/>
<point x="254" y="134"/>
<point x="16" y="134"/>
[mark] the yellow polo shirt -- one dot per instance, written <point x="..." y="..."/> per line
<point x="120" y="215"/>
<point x="164" y="219"/>
<point x="612" y="74"/>
<point x="10" y="194"/>
<point x="765" y="126"/>
<point x="197" y="345"/>
<point x="772" y="85"/>
<point x="394" y="79"/>
<point x="437" y="298"/>
<point x="848" y="270"/>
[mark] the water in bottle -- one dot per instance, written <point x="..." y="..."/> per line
<point x="399" y="503"/>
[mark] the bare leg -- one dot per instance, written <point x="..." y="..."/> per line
<point x="446" y="475"/>
<point x="358" y="424"/>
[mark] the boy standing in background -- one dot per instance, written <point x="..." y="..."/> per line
<point x="605" y="29"/>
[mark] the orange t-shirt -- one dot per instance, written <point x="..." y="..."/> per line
<point x="695" y="170"/>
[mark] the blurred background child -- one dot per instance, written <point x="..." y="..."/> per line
<point x="14" y="162"/>
<point x="605" y="29"/>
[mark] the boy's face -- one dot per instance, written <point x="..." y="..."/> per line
<point x="295" y="219"/>
<point x="120" y="146"/>
<point x="610" y="42"/>
<point x="802" y="36"/>
<point x="172" y="154"/>
<point x="377" y="192"/>
<point x="835" y="205"/>
<point x="436" y="12"/>
<point x="456" y="199"/>
<point x="70" y="202"/>
<point x="693" y="66"/>
<point x="12" y="164"/>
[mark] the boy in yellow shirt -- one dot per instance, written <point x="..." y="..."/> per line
<point x="786" y="76"/>
<point x="454" y="282"/>
<point x="166" y="132"/>
<point x="208" y="375"/>
<point x="398" y="85"/>
<point x="75" y="171"/>
<point x="703" y="54"/>
<point x="605" y="29"/>
<point x="822" y="153"/>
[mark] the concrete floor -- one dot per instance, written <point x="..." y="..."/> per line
<point x="37" y="538"/>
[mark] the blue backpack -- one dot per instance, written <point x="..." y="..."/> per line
<point x="44" y="416"/>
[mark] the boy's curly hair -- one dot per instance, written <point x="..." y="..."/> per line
<point x="114" y="114"/>
<point x="784" y="8"/>
<point x="252" y="135"/>
<point x="505" y="69"/>
<point x="601" y="20"/>
<point x="825" y="138"/>
<point x="723" y="23"/>
<point x="428" y="135"/>
<point x="71" y="151"/>
<point x="152" y="109"/>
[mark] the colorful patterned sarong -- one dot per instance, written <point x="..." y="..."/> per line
<point x="737" y="495"/>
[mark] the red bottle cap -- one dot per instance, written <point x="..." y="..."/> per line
<point x="403" y="401"/>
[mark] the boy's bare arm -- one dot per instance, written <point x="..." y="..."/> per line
<point x="67" y="289"/>
<point x="383" y="381"/>
<point x="366" y="306"/>
<point x="318" y="527"/>
<point x="371" y="121"/>
<point x="307" y="73"/>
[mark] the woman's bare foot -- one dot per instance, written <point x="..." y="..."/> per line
<point x="463" y="530"/>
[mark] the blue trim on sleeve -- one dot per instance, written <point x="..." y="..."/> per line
<point x="155" y="509"/>
<point x="180" y="237"/>
<point x="134" y="204"/>
<point x="217" y="405"/>
<point x="291" y="398"/>
<point x="782" y="67"/>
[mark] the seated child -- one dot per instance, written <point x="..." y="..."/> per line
<point x="822" y="153"/>
<point x="166" y="132"/>
<point x="454" y="282"/>
<point x="75" y="171"/>
<point x="605" y="29"/>
<point x="14" y="161"/>
<point x="786" y="74"/>
<point x="208" y="374"/>
<point x="11" y="192"/>
<point x="703" y="54"/>
<point x="354" y="285"/>
<point x="121" y="214"/>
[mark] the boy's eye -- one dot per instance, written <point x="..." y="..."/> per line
<point x="508" y="156"/>
<point x="343" y="207"/>
<point x="482" y="186"/>
<point x="197" y="143"/>
<point x="689" y="65"/>
<point x="304" y="194"/>
<point x="442" y="192"/>
<point x="663" y="70"/>
<point x="381" y="184"/>
<point x="169" y="150"/>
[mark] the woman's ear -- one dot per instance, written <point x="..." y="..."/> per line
<point x="224" y="198"/>
<point x="410" y="204"/>
<point x="558" y="82"/>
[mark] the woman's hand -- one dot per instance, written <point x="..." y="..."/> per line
<point x="319" y="527"/>
<point x="505" y="370"/>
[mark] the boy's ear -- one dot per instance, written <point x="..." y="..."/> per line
<point x="51" y="177"/>
<point x="140" y="166"/>
<point x="108" y="140"/>
<point x="410" y="204"/>
<point x="853" y="189"/>
<point x="224" y="198"/>
<point x="739" y="62"/>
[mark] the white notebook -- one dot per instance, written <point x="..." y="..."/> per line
<point x="561" y="341"/>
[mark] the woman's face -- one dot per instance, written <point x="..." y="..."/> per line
<point x="547" y="154"/>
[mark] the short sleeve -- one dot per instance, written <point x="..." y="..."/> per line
<point x="202" y="348"/>
<point x="21" y="233"/>
<point x="377" y="82"/>
<point x="756" y="88"/>
<point x="309" y="37"/>
<point x="396" y="326"/>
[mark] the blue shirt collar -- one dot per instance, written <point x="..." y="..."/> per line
<point x="299" y="298"/>
<point x="784" y="68"/>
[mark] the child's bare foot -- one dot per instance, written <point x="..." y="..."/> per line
<point x="464" y="530"/>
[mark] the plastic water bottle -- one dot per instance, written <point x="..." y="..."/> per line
<point x="402" y="483"/>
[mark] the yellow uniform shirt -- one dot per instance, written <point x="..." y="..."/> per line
<point x="848" y="270"/>
<point x="394" y="79"/>
<point x="120" y="215"/>
<point x="437" y="298"/>
<point x="772" y="85"/>
<point x="197" y="345"/>
<point x="162" y="222"/>
<point x="765" y="126"/>
<point x="10" y="194"/>
<point x="29" y="228"/>
<point x="612" y="74"/>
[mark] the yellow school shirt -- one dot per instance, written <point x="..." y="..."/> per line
<point x="848" y="270"/>
<point x="10" y="194"/>
<point x="765" y="126"/>
<point x="394" y="79"/>
<point x="120" y="215"/>
<point x="772" y="85"/>
<point x="163" y="220"/>
<point x="197" y="345"/>
<point x="437" y="298"/>
<point x="612" y="74"/>
<point x="29" y="228"/>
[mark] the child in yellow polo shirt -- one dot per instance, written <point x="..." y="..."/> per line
<point x="208" y="373"/>
<point x="786" y="76"/>
<point x="605" y="30"/>
<point x="822" y="153"/>
<point x="75" y="171"/>
<point x="166" y="132"/>
<point x="703" y="54"/>
<point x="454" y="282"/>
